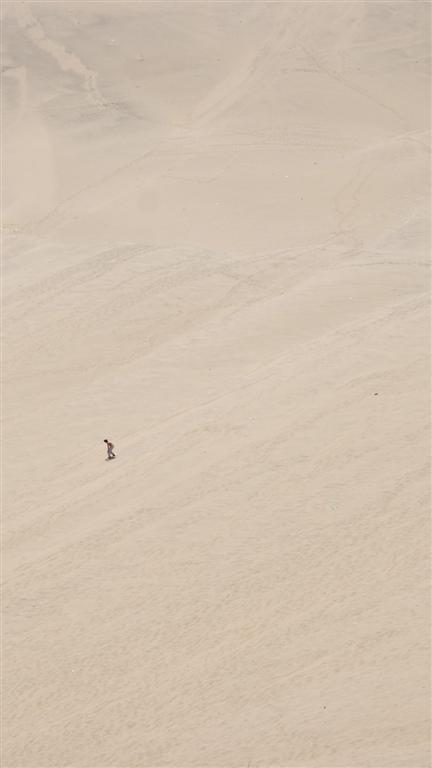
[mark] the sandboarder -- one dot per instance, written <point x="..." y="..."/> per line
<point x="110" y="449"/>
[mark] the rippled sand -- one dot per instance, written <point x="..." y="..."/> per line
<point x="215" y="255"/>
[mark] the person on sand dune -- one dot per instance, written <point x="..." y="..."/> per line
<point x="110" y="449"/>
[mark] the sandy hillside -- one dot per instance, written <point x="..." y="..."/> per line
<point x="215" y="253"/>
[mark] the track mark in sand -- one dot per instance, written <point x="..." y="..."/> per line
<point x="230" y="90"/>
<point x="67" y="61"/>
<point x="354" y="87"/>
<point x="62" y="207"/>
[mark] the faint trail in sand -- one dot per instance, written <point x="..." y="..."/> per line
<point x="230" y="90"/>
<point x="354" y="87"/>
<point x="66" y="60"/>
<point x="63" y="205"/>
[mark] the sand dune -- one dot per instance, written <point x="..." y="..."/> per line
<point x="215" y="254"/>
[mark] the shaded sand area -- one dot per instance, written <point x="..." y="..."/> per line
<point x="215" y="254"/>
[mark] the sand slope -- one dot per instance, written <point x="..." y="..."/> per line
<point x="215" y="254"/>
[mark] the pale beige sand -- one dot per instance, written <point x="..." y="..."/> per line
<point x="216" y="253"/>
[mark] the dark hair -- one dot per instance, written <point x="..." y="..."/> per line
<point x="105" y="441"/>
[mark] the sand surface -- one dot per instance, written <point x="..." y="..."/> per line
<point x="215" y="244"/>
